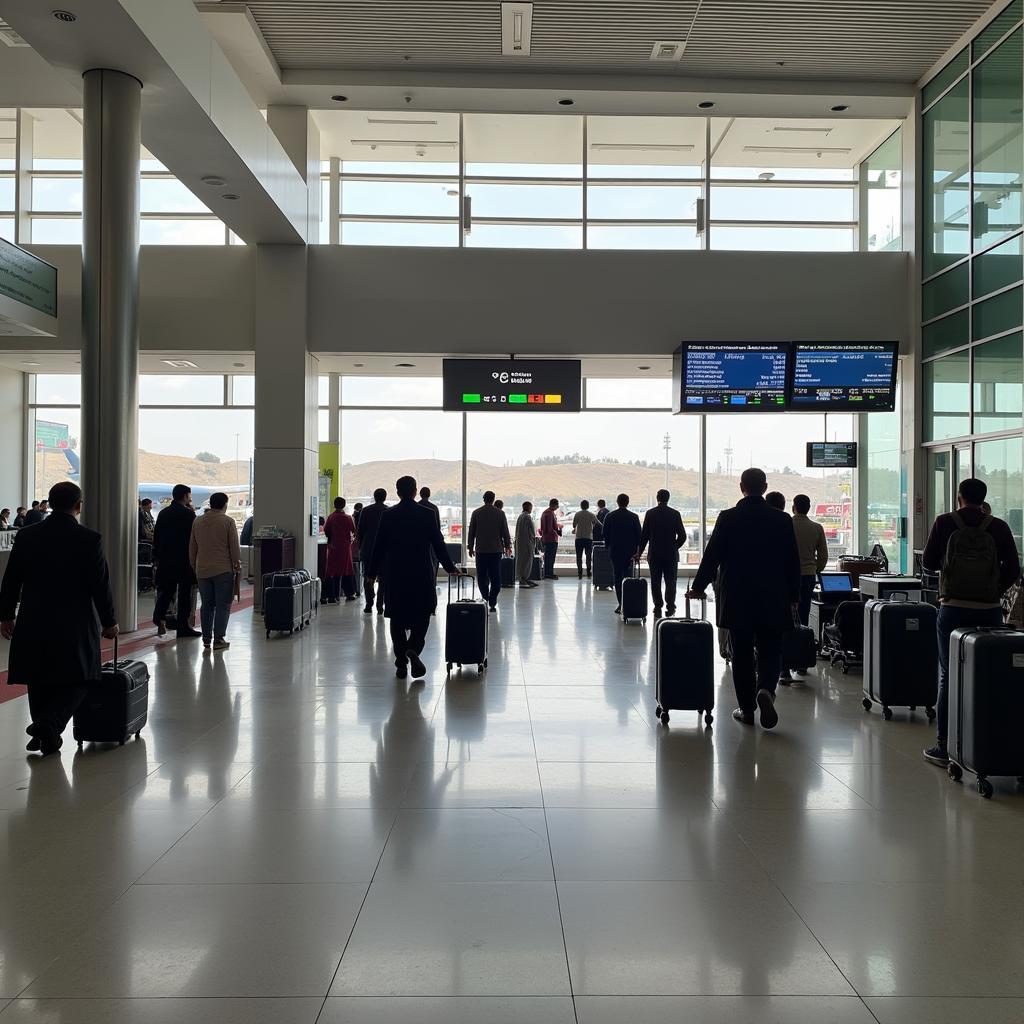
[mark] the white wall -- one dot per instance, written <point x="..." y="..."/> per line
<point x="12" y="441"/>
<point x="463" y="301"/>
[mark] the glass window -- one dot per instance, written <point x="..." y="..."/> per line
<point x="57" y="194"/>
<point x="998" y="463"/>
<point x="629" y="393"/>
<point x="781" y="203"/>
<point x="168" y="195"/>
<point x="523" y="145"/>
<point x="939" y="483"/>
<point x="7" y="194"/>
<point x="525" y="236"/>
<point x="564" y="202"/>
<point x="401" y="391"/>
<point x="243" y="390"/>
<point x="56" y="388"/>
<point x="947" y="396"/>
<point x="1000" y="313"/>
<point x="642" y="202"/>
<point x="323" y="425"/>
<point x="323" y="389"/>
<point x="376" y="142"/>
<point x="7" y="228"/>
<point x="181" y="232"/>
<point x="378" y="447"/>
<point x="948" y="333"/>
<point x="946" y="292"/>
<point x="645" y="147"/>
<point x="181" y="389"/>
<point x="57" y="230"/>
<point x="398" y="233"/>
<point x="946" y="180"/>
<point x="401" y="198"/>
<point x="999" y="384"/>
<point x="783" y="239"/>
<point x="324" y="236"/>
<point x="57" y="435"/>
<point x="949" y="74"/>
<point x="998" y="135"/>
<point x="881" y="175"/>
<point x="882" y="503"/>
<point x="996" y="29"/>
<point x="998" y="268"/>
<point x="647" y="236"/>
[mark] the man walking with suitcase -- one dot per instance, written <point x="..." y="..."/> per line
<point x="664" y="532"/>
<point x="813" y="547"/>
<point x="977" y="561"/>
<point x="755" y="548"/>
<point x="59" y="574"/>
<point x="400" y="557"/>
<point x="622" y="535"/>
<point x="488" y="540"/>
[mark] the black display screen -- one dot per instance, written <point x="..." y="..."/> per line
<point x="835" y="377"/>
<point x="831" y="454"/>
<point x="731" y="377"/>
<point x="506" y="385"/>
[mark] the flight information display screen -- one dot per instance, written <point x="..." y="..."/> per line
<point x="833" y="377"/>
<point x="506" y="385"/>
<point x="727" y="377"/>
<point x="831" y="454"/>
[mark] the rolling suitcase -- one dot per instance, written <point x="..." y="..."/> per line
<point x="634" y="597"/>
<point x="799" y="649"/>
<point x="465" y="635"/>
<point x="282" y="608"/>
<point x="508" y="572"/>
<point x="986" y="704"/>
<point x="604" y="577"/>
<point x="145" y="553"/>
<point x="145" y="578"/>
<point x="537" y="570"/>
<point x="117" y="704"/>
<point x="685" y="663"/>
<point x="901" y="660"/>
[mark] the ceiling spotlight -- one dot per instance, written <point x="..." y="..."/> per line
<point x="839" y="108"/>
<point x="29" y="362"/>
<point x="405" y="366"/>
<point x="566" y="102"/>
<point x="340" y="99"/>
<point x="212" y="180"/>
<point x="706" y="105"/>
<point x="780" y="63"/>
<point x="643" y="367"/>
<point x="359" y="366"/>
<point x="66" y="16"/>
<point x="766" y="176"/>
<point x="239" y="365"/>
<point x="229" y="195"/>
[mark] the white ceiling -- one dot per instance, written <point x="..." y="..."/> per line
<point x="838" y="40"/>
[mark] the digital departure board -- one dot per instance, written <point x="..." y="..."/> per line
<point x="731" y="377"/>
<point x="831" y="454"/>
<point x="506" y="385"/>
<point x="836" y="377"/>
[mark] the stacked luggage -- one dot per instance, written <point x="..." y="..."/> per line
<point x="290" y="599"/>
<point x="116" y="706"/>
<point x="986" y="704"/>
<point x="634" y="596"/>
<point x="685" y="662"/>
<point x="862" y="565"/>
<point x="604" y="578"/>
<point x="901" y="663"/>
<point x="465" y="637"/>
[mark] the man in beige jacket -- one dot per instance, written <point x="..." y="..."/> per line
<point x="216" y="558"/>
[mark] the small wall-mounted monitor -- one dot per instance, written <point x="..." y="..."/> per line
<point x="831" y="454"/>
<point x="747" y="376"/>
<point x="506" y="385"/>
<point x="844" y="377"/>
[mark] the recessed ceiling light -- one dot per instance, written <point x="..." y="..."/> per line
<point x="359" y="366"/>
<point x="29" y="362"/>
<point x="839" y="108"/>
<point x="239" y="365"/>
<point x="643" y="367"/>
<point x="566" y="102"/>
<point x="706" y="105"/>
<point x="405" y="366"/>
<point x="212" y="180"/>
<point x="180" y="364"/>
<point x="780" y="63"/>
<point x="229" y="195"/>
<point x="66" y="16"/>
<point x="340" y="99"/>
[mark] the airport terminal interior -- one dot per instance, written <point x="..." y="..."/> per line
<point x="290" y="251"/>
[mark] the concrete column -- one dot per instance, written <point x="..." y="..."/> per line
<point x="110" y="300"/>
<point x="300" y="138"/>
<point x="287" y="450"/>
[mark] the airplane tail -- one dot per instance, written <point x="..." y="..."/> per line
<point x="74" y="465"/>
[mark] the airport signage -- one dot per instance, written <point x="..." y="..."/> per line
<point x="27" y="279"/>
<point x="512" y="385"/>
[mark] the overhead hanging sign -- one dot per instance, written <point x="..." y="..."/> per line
<point x="28" y="293"/>
<point x="512" y="385"/>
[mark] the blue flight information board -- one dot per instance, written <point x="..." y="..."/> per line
<point x="741" y="377"/>
<point x="855" y="377"/>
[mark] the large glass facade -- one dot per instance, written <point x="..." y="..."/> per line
<point x="973" y="268"/>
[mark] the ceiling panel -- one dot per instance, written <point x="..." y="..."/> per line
<point x="894" y="40"/>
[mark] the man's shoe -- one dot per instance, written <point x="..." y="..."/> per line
<point x="588" y="574"/>
<point x="746" y="717"/>
<point x="161" y="628"/>
<point x="221" y="644"/>
<point x="368" y="610"/>
<point x="401" y="670"/>
<point x="937" y="755"/>
<point x="670" y="610"/>
<point x="419" y="670"/>
<point x="49" y="741"/>
<point x="657" y="613"/>
<point x="766" y="705"/>
<point x="785" y="678"/>
<point x="618" y="609"/>
<point x="494" y="608"/>
<point x="189" y="632"/>
<point x="33" y="745"/>
<point x="380" y="609"/>
<point x="581" y="575"/>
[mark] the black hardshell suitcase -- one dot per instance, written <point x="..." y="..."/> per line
<point x="634" y="597"/>
<point x="145" y="555"/>
<point x="537" y="570"/>
<point x="117" y="704"/>
<point x="901" y="658"/>
<point x="508" y="572"/>
<point x="282" y="609"/>
<point x="799" y="649"/>
<point x="604" y="577"/>
<point x="465" y="636"/>
<point x="986" y="704"/>
<point x="685" y="666"/>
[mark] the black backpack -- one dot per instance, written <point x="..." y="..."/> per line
<point x="970" y="570"/>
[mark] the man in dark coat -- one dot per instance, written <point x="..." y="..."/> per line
<point x="366" y="535"/>
<point x="407" y="535"/>
<point x="59" y="574"/>
<point x="622" y="535"/>
<point x="755" y="547"/>
<point x="665" y="533"/>
<point x="427" y="503"/>
<point x="174" y="575"/>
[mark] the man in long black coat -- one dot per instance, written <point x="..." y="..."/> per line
<point x="407" y="536"/>
<point x="174" y="575"/>
<point x="755" y="547"/>
<point x="622" y="537"/>
<point x="59" y="574"/>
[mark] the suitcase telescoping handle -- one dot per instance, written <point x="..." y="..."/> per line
<point x="463" y="575"/>
<point x="703" y="607"/>
<point x="899" y="596"/>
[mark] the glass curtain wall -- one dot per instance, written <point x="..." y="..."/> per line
<point x="8" y="141"/>
<point x="973" y="268"/>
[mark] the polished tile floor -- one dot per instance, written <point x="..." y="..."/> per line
<point x="299" y="838"/>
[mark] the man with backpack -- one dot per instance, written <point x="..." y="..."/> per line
<point x="977" y="561"/>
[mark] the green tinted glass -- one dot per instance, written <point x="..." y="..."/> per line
<point x="999" y="384"/>
<point x="949" y="74"/>
<point x="946" y="185"/>
<point x="944" y="293"/>
<point x="946" y="397"/>
<point x="950" y="332"/>
<point x="998" y="268"/>
<point x="999" y="464"/>
<point x="1000" y="313"/>
<point x="997" y="28"/>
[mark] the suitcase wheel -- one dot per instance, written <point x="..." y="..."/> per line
<point x="449" y="667"/>
<point x="866" y="703"/>
<point x="930" y="712"/>
<point x="268" y="634"/>
<point x="120" y="743"/>
<point x="887" y="713"/>
<point x="985" y="788"/>
<point x="664" y="718"/>
<point x="708" y="718"/>
<point x="480" y="668"/>
<point x="138" y="735"/>
<point x="80" y="744"/>
<point x="956" y="773"/>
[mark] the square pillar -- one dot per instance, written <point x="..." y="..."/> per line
<point x="286" y="457"/>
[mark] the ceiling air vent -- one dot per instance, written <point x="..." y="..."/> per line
<point x="516" y="26"/>
<point x="8" y="36"/>
<point x="667" y="52"/>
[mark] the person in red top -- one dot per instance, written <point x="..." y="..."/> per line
<point x="550" y="531"/>
<point x="339" y="529"/>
